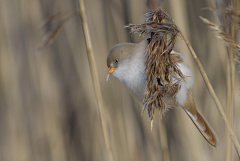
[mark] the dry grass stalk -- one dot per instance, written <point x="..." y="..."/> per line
<point x="163" y="140"/>
<point x="61" y="19"/>
<point x="212" y="92"/>
<point x="159" y="64"/>
<point x="93" y="67"/>
<point x="229" y="16"/>
<point x="229" y="41"/>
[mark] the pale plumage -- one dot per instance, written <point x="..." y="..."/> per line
<point x="126" y="61"/>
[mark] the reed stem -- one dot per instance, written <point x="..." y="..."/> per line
<point x="230" y="96"/>
<point x="94" y="73"/>
<point x="163" y="140"/>
<point x="212" y="92"/>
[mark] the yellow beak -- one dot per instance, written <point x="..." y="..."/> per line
<point x="111" y="70"/>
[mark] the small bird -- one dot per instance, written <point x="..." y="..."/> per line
<point x="126" y="61"/>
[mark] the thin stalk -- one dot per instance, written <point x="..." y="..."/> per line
<point x="230" y="97"/>
<point x="229" y="106"/>
<point x="230" y="111"/>
<point x="94" y="73"/>
<point x="212" y="92"/>
<point x="233" y="30"/>
<point x="163" y="140"/>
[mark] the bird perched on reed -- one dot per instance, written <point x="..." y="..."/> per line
<point x="126" y="61"/>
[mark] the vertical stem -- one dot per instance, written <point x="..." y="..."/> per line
<point x="233" y="30"/>
<point x="230" y="110"/>
<point x="93" y="67"/>
<point x="230" y="97"/>
<point x="212" y="92"/>
<point x="163" y="140"/>
<point x="229" y="106"/>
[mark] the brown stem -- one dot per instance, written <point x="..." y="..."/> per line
<point x="163" y="140"/>
<point x="212" y="92"/>
<point x="93" y="67"/>
<point x="229" y="105"/>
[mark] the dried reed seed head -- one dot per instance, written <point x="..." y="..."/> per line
<point x="159" y="65"/>
<point x="228" y="40"/>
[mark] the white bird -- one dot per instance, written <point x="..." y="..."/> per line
<point x="126" y="61"/>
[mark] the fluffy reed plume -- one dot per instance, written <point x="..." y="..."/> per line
<point x="228" y="40"/>
<point x="159" y="64"/>
<point x="219" y="33"/>
<point x="233" y="15"/>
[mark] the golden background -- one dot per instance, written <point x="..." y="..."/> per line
<point x="48" y="108"/>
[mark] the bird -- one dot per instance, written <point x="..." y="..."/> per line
<point x="126" y="61"/>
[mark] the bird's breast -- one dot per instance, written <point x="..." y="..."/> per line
<point x="132" y="74"/>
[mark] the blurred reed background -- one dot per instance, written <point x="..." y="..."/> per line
<point x="48" y="108"/>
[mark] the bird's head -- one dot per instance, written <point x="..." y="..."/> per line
<point x="121" y="54"/>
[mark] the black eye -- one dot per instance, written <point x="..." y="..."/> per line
<point x="116" y="61"/>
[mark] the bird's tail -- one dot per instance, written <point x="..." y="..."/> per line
<point x="200" y="122"/>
